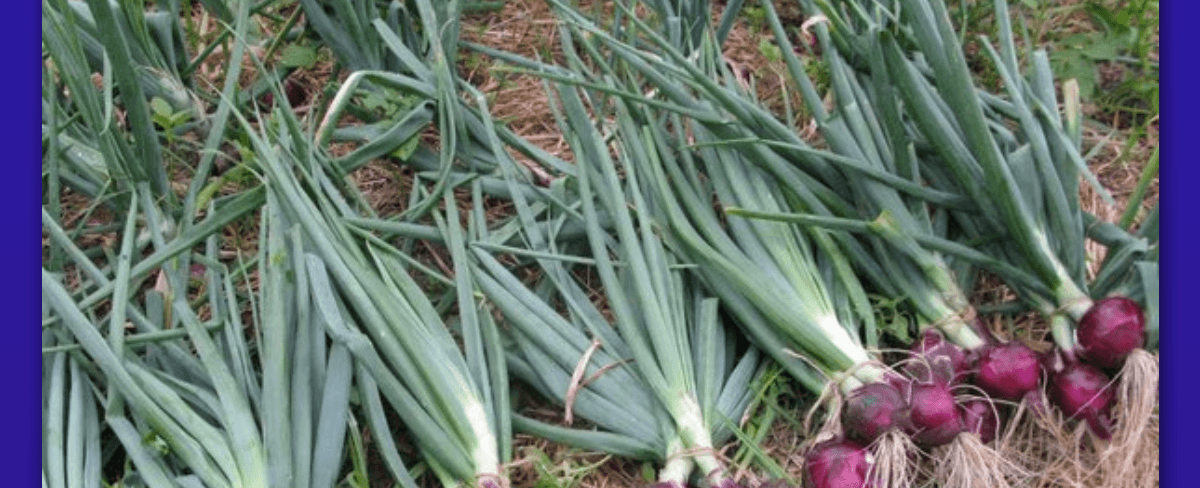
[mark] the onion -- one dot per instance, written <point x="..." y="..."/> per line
<point x="936" y="360"/>
<point x="979" y="417"/>
<point x="935" y="416"/>
<point x="838" y="463"/>
<point x="1082" y="391"/>
<point x="1110" y="330"/>
<point x="1008" y="370"/>
<point x="873" y="409"/>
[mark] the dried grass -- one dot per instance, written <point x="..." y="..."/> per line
<point x="1041" y="444"/>
<point x="1130" y="459"/>
<point x="894" y="460"/>
<point x="1048" y="450"/>
<point x="527" y="28"/>
<point x="967" y="462"/>
<point x="385" y="187"/>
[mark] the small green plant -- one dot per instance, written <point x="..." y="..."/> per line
<point x="359" y="476"/>
<point x="770" y="51"/>
<point x="1135" y="22"/>
<point x="157" y="443"/>
<point x="756" y="17"/>
<point x="564" y="470"/>
<point x="767" y="408"/>
<point x="893" y="319"/>
<point x="388" y="104"/>
<point x="818" y="72"/>
<point x="298" y="56"/>
<point x="167" y="117"/>
<point x="1124" y="41"/>
<point x="1077" y="56"/>
<point x="501" y="75"/>
<point x="474" y="62"/>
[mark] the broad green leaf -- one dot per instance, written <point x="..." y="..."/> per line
<point x="297" y="56"/>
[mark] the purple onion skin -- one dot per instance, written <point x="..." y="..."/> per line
<point x="936" y="360"/>
<point x="979" y="417"/>
<point x="1083" y="391"/>
<point x="1110" y="330"/>
<point x="935" y="417"/>
<point x="1008" y="371"/>
<point x="872" y="410"/>
<point x="839" y="463"/>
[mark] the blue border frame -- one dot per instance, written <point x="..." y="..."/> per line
<point x="1177" y="336"/>
<point x="20" y="136"/>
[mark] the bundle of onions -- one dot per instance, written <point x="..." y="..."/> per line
<point x="797" y="297"/>
<point x="795" y="293"/>
<point x="1032" y="173"/>
<point x="933" y="417"/>
<point x="814" y="181"/>
<point x="952" y="353"/>
<point x="1024" y="186"/>
<point x="868" y="130"/>
<point x="454" y="399"/>
<point x="664" y="380"/>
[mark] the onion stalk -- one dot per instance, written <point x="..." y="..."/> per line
<point x="454" y="400"/>
<point x="665" y="350"/>
<point x="774" y="281"/>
